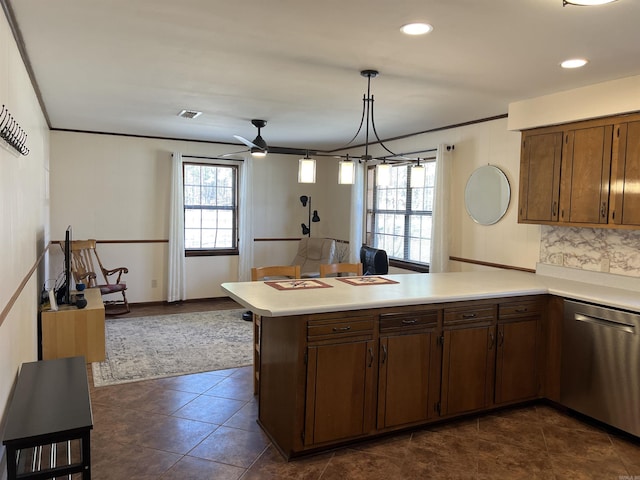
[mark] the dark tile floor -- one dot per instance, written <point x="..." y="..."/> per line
<point x="203" y="426"/>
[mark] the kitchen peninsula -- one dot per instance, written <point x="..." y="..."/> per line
<point x="339" y="361"/>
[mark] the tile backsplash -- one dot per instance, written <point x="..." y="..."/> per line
<point x="594" y="249"/>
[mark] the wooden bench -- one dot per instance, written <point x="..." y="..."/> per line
<point x="49" y="421"/>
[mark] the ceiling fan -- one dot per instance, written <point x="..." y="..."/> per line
<point x="258" y="147"/>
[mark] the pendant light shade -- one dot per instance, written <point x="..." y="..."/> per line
<point x="417" y="176"/>
<point x="307" y="170"/>
<point x="346" y="172"/>
<point x="383" y="175"/>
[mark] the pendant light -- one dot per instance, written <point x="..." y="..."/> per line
<point x="418" y="175"/>
<point x="307" y="170"/>
<point x="346" y="172"/>
<point x="383" y="174"/>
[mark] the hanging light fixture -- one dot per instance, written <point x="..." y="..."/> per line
<point x="417" y="175"/>
<point x="346" y="171"/>
<point x="307" y="170"/>
<point x="383" y="174"/>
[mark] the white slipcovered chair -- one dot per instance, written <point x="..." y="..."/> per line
<point x="312" y="252"/>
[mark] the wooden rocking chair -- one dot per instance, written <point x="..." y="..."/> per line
<point x="83" y="253"/>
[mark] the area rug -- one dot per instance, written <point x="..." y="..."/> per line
<point x="167" y="345"/>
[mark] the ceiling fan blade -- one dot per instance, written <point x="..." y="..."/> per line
<point x="246" y="142"/>
<point x="231" y="154"/>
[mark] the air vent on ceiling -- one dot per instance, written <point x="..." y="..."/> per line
<point x="189" y="114"/>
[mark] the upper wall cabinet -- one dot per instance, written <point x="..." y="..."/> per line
<point x="582" y="174"/>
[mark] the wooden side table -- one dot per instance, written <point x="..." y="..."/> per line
<point x="73" y="331"/>
<point x="49" y="421"/>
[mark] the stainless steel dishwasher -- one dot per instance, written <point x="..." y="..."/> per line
<point x="600" y="373"/>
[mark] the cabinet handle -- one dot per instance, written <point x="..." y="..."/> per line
<point x="500" y="338"/>
<point x="342" y="329"/>
<point x="522" y="310"/>
<point x="384" y="353"/>
<point x="370" y="357"/>
<point x="491" y="340"/>
<point x="603" y="210"/>
<point x="554" y="209"/>
<point x="469" y="315"/>
<point x="409" y="322"/>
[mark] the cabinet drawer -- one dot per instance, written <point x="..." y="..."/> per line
<point x="480" y="313"/>
<point x="408" y="321"/>
<point x="519" y="309"/>
<point x="339" y="328"/>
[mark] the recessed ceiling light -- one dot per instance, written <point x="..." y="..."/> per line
<point x="586" y="2"/>
<point x="416" y="28"/>
<point x="574" y="63"/>
<point x="189" y="114"/>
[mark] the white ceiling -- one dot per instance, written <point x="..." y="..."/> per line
<point x="129" y="66"/>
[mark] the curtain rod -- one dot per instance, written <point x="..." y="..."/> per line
<point x="202" y="157"/>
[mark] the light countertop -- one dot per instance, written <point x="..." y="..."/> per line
<point x="421" y="288"/>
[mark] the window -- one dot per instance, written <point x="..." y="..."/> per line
<point x="399" y="217"/>
<point x="210" y="209"/>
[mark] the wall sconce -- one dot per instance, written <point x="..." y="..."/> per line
<point x="307" y="170"/>
<point x="383" y="174"/>
<point x="417" y="175"/>
<point x="306" y="202"/>
<point x="346" y="172"/>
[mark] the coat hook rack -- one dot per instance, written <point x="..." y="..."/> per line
<point x="12" y="133"/>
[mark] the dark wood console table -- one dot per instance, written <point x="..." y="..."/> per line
<point x="49" y="421"/>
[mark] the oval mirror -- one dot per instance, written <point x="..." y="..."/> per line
<point x="487" y="195"/>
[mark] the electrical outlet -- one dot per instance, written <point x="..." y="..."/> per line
<point x="154" y="283"/>
<point x="557" y="259"/>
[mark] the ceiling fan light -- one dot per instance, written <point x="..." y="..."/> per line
<point x="346" y="172"/>
<point x="417" y="176"/>
<point x="258" y="152"/>
<point x="383" y="175"/>
<point x="306" y="170"/>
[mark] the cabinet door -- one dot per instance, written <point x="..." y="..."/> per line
<point x="540" y="177"/>
<point x="405" y="374"/>
<point x="625" y="175"/>
<point x="339" y="399"/>
<point x="517" y="360"/>
<point x="467" y="369"/>
<point x="586" y="166"/>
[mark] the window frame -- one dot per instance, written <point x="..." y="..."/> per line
<point x="372" y="211"/>
<point x="213" y="252"/>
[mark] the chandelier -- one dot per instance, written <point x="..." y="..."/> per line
<point x="347" y="166"/>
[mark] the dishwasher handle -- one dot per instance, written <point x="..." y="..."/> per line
<point x="626" y="327"/>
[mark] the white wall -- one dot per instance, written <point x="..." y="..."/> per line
<point x="116" y="188"/>
<point x="111" y="187"/>
<point x="24" y="226"/>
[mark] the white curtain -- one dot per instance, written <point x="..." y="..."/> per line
<point x="440" y="222"/>
<point x="356" y="233"/>
<point x="177" y="285"/>
<point x="245" y="233"/>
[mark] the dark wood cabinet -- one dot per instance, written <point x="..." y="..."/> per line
<point x="518" y="351"/>
<point x="468" y="359"/>
<point x="625" y="175"/>
<point x="341" y="374"/>
<point x="586" y="166"/>
<point x="540" y="177"/>
<point x="331" y="378"/>
<point x="582" y="174"/>
<point x="409" y="368"/>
